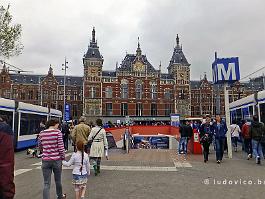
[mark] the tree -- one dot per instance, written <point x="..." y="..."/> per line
<point x="10" y="35"/>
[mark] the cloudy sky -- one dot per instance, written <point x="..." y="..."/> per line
<point x="53" y="29"/>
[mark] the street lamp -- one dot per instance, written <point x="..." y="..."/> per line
<point x="65" y="67"/>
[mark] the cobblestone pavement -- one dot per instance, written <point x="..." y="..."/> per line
<point x="153" y="174"/>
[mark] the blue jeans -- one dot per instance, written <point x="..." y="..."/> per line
<point x="47" y="168"/>
<point x="219" y="144"/>
<point x="257" y="149"/>
<point x="183" y="144"/>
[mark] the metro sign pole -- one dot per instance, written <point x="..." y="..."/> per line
<point x="225" y="71"/>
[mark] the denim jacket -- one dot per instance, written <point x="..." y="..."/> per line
<point x="219" y="132"/>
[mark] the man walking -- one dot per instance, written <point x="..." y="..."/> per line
<point x="257" y="131"/>
<point x="247" y="138"/>
<point x="65" y="132"/>
<point x="219" y="130"/>
<point x="81" y="132"/>
<point x="185" y="133"/>
<point x="7" y="186"/>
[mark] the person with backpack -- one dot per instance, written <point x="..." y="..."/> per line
<point x="235" y="131"/>
<point x="257" y="130"/>
<point x="206" y="133"/>
<point x="247" y="138"/>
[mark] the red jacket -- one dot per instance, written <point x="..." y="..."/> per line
<point x="7" y="186"/>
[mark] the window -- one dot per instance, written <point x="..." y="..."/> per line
<point x="3" y="79"/>
<point x="124" y="109"/>
<point x="92" y="92"/>
<point x="139" y="109"/>
<point x="45" y="95"/>
<point x="23" y="95"/>
<point x="168" y="109"/>
<point x="15" y="94"/>
<point x="168" y="94"/>
<point x="124" y="89"/>
<point x="75" y="109"/>
<point x="153" y="109"/>
<point x="61" y="95"/>
<point x="75" y="96"/>
<point x="29" y="123"/>
<point x="139" y="89"/>
<point x="53" y="95"/>
<point x="153" y="91"/>
<point x="108" y="109"/>
<point x="30" y="95"/>
<point x="108" y="92"/>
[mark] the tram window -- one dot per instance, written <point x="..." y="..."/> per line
<point x="262" y="112"/>
<point x="238" y="115"/>
<point x="9" y="116"/>
<point x="29" y="123"/>
<point x="251" y="111"/>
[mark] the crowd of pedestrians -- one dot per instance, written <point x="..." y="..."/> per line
<point x="251" y="134"/>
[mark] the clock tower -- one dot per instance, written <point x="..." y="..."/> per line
<point x="93" y="63"/>
<point x="179" y="68"/>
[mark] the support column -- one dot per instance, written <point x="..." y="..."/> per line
<point x="227" y="119"/>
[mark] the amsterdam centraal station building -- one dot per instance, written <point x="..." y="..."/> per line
<point x="136" y="90"/>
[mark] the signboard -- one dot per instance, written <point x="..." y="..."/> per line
<point x="150" y="142"/>
<point x="175" y="120"/>
<point x="67" y="112"/>
<point x="225" y="70"/>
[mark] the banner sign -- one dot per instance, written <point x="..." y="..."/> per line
<point x="225" y="70"/>
<point x="175" y="120"/>
<point x="67" y="112"/>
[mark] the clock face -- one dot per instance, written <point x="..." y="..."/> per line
<point x="138" y="66"/>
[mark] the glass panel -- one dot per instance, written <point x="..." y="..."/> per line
<point x="29" y="123"/>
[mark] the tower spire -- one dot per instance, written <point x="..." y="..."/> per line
<point x="93" y="35"/>
<point x="177" y="40"/>
<point x="138" y="51"/>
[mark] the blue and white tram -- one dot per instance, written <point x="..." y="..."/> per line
<point x="8" y="108"/>
<point x="29" y="118"/>
<point x="248" y="106"/>
<point x="55" y="114"/>
<point x="261" y="106"/>
<point x="25" y="120"/>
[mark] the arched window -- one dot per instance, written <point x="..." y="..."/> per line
<point x="108" y="92"/>
<point x="124" y="89"/>
<point x="138" y="89"/>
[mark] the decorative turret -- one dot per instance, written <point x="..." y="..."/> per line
<point x="138" y="51"/>
<point x="50" y="72"/>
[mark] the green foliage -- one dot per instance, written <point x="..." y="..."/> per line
<point x="9" y="35"/>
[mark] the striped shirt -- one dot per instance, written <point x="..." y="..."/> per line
<point x="51" y="144"/>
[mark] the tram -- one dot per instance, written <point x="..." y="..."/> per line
<point x="248" y="106"/>
<point x="25" y="119"/>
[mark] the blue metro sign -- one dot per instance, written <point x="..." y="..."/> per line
<point x="225" y="70"/>
<point x="67" y="112"/>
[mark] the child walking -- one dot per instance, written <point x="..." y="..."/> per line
<point x="81" y="170"/>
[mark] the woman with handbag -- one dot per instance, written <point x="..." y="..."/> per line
<point x="99" y="144"/>
<point x="206" y="133"/>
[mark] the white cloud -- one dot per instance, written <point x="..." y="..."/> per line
<point x="53" y="29"/>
